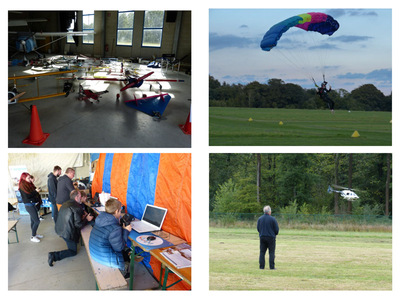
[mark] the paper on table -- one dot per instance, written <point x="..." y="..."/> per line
<point x="100" y="208"/>
<point x="180" y="256"/>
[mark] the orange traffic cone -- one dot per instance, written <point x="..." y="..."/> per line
<point x="36" y="136"/>
<point x="187" y="127"/>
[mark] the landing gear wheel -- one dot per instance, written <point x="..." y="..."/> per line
<point x="156" y="115"/>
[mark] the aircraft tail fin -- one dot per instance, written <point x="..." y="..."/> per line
<point x="330" y="190"/>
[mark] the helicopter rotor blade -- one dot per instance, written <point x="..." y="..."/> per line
<point x="340" y="187"/>
<point x="344" y="188"/>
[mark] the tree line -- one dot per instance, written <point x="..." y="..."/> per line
<point x="298" y="183"/>
<point x="278" y="94"/>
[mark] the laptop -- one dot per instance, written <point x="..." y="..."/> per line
<point x="152" y="219"/>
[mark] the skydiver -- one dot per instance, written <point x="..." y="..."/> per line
<point x="322" y="91"/>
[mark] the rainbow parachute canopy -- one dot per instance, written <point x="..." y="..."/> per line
<point x="313" y="21"/>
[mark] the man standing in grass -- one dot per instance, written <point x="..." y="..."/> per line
<point x="268" y="229"/>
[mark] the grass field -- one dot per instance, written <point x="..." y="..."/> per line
<point x="230" y="126"/>
<point x="305" y="260"/>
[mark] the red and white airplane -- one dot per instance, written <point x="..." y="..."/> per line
<point x="131" y="80"/>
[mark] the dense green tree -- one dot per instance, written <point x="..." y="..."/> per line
<point x="278" y="94"/>
<point x="369" y="96"/>
<point x="222" y="167"/>
<point x="245" y="182"/>
<point x="294" y="181"/>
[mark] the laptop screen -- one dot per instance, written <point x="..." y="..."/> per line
<point x="154" y="215"/>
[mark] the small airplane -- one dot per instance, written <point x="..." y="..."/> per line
<point x="346" y="193"/>
<point x="89" y="94"/>
<point x="132" y="81"/>
<point x="154" y="105"/>
<point x="26" y="41"/>
<point x="16" y="86"/>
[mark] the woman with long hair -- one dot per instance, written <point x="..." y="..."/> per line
<point x="30" y="198"/>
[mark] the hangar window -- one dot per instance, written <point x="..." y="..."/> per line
<point x="88" y="27"/>
<point x="153" y="28"/>
<point x="125" y="28"/>
<point x="70" y="39"/>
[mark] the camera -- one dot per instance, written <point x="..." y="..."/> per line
<point x="126" y="219"/>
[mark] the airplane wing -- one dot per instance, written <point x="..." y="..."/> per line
<point x="137" y="82"/>
<point x="145" y="76"/>
<point x="68" y="33"/>
<point x="169" y="80"/>
<point x="102" y="78"/>
<point x="152" y="105"/>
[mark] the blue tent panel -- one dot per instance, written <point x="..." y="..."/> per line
<point x="107" y="172"/>
<point x="142" y="182"/>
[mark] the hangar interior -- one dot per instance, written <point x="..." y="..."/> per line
<point x="28" y="267"/>
<point x="99" y="79"/>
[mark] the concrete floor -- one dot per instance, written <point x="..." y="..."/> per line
<point x="72" y="123"/>
<point x="28" y="268"/>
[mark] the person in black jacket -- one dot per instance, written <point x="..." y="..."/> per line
<point x="52" y="189"/>
<point x="71" y="218"/>
<point x="322" y="91"/>
<point x="268" y="229"/>
<point x="65" y="187"/>
<point x="30" y="198"/>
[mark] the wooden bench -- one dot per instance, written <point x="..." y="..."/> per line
<point x="106" y="278"/>
<point x="12" y="226"/>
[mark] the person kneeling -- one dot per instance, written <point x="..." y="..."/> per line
<point x="108" y="239"/>
<point x="71" y="218"/>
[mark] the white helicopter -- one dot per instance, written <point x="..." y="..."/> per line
<point x="347" y="193"/>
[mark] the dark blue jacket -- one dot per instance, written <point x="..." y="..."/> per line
<point x="267" y="226"/>
<point x="107" y="240"/>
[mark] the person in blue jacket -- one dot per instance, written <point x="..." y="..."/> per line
<point x="108" y="239"/>
<point x="268" y="229"/>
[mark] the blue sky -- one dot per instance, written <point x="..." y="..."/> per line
<point x="359" y="52"/>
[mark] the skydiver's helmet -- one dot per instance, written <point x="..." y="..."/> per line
<point x="324" y="83"/>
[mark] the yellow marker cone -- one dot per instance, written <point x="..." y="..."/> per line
<point x="250" y="119"/>
<point x="280" y="123"/>
<point x="355" y="134"/>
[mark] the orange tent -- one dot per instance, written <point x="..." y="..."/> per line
<point x="150" y="178"/>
